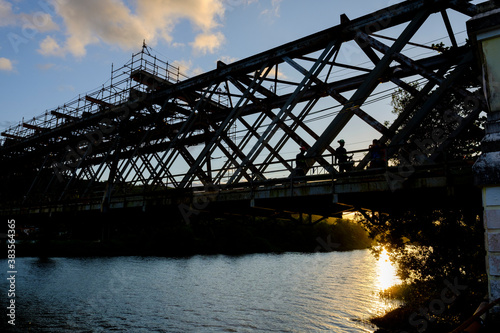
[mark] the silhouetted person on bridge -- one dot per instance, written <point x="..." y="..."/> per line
<point x="341" y="156"/>
<point x="300" y="162"/>
<point x="377" y="154"/>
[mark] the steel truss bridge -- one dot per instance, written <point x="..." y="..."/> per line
<point x="154" y="138"/>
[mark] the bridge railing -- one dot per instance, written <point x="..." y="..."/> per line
<point x="276" y="170"/>
<point x="318" y="172"/>
<point x="457" y="168"/>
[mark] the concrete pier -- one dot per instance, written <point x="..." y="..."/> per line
<point x="484" y="30"/>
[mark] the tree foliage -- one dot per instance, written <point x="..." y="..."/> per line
<point x="433" y="249"/>
<point x="432" y="245"/>
<point x="440" y="124"/>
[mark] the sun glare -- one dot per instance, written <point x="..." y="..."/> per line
<point x="386" y="272"/>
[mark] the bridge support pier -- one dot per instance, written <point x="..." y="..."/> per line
<point x="484" y="29"/>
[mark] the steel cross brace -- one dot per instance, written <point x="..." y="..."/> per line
<point x="237" y="152"/>
<point x="183" y="132"/>
<point x="246" y="138"/>
<point x="433" y="100"/>
<point x="298" y="120"/>
<point x="375" y="59"/>
<point x="89" y="148"/>
<point x="341" y="99"/>
<point x="406" y="61"/>
<point x="270" y="115"/>
<point x="291" y="132"/>
<point x="436" y="79"/>
<point x="229" y="120"/>
<point x="421" y="96"/>
<point x="366" y="87"/>
<point x="38" y="175"/>
<point x="185" y="154"/>
<point x="286" y="108"/>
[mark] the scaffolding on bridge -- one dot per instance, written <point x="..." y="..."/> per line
<point x="143" y="73"/>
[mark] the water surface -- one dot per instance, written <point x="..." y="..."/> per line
<point x="320" y="292"/>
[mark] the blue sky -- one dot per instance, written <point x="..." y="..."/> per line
<point x="53" y="50"/>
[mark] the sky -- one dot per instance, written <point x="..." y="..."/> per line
<point x="53" y="50"/>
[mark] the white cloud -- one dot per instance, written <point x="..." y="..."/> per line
<point x="280" y="74"/>
<point x="209" y="42"/>
<point x="37" y="21"/>
<point x="114" y="23"/>
<point x="231" y="4"/>
<point x="92" y="21"/>
<point x="178" y="45"/>
<point x="6" y="65"/>
<point x="274" y="10"/>
<point x="50" y="47"/>
<point x="7" y="17"/>
<point x="185" y="68"/>
<point x="228" y="59"/>
<point x="161" y="14"/>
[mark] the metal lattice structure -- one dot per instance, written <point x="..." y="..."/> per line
<point x="153" y="129"/>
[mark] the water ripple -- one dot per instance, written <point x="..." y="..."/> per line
<point x="323" y="292"/>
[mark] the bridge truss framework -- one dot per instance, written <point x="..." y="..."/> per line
<point x="153" y="130"/>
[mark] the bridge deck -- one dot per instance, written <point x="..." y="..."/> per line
<point x="325" y="195"/>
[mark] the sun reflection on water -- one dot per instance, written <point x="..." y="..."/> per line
<point x="385" y="277"/>
<point x="386" y="272"/>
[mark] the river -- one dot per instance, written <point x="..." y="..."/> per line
<point x="291" y="292"/>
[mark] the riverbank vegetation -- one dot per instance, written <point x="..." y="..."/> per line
<point x="439" y="256"/>
<point x="439" y="251"/>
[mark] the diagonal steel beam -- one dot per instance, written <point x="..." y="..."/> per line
<point x="252" y="130"/>
<point x="271" y="149"/>
<point x="421" y="97"/>
<point x="431" y="102"/>
<point x="342" y="100"/>
<point x="376" y="21"/>
<point x="375" y="60"/>
<point x="449" y="28"/>
<point x="406" y="61"/>
<point x="287" y="108"/>
<point x="362" y="93"/>
<point x="287" y="129"/>
<point x="258" y="123"/>
<point x="184" y="131"/>
<point x="242" y="144"/>
<point x="74" y="173"/>
<point x="37" y="178"/>
<point x="237" y="153"/>
<point x="229" y="120"/>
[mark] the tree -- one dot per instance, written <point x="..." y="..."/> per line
<point x="440" y="124"/>
<point x="428" y="245"/>
<point x="433" y="249"/>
